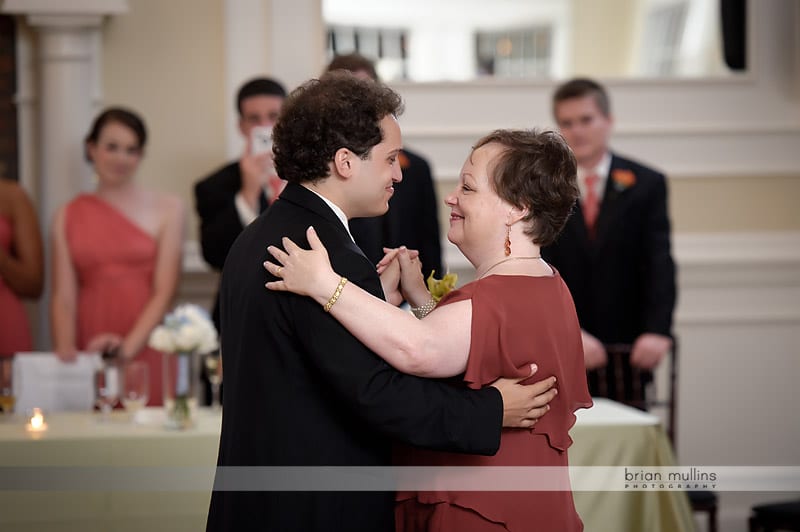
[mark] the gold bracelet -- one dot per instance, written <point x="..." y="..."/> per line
<point x="423" y="310"/>
<point x="335" y="297"/>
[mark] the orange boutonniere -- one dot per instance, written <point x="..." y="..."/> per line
<point x="623" y="178"/>
<point x="404" y="162"/>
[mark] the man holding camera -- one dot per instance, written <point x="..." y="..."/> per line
<point x="234" y="195"/>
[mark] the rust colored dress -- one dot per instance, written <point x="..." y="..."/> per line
<point x="516" y="320"/>
<point x="15" y="332"/>
<point x="114" y="261"/>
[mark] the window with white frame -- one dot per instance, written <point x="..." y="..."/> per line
<point x="520" y="53"/>
<point x="385" y="46"/>
<point x="661" y="39"/>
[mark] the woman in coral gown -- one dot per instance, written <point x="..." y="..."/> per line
<point x="21" y="267"/>
<point x="515" y="192"/>
<point x="116" y="253"/>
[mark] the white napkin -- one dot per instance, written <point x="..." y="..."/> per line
<point x="41" y="380"/>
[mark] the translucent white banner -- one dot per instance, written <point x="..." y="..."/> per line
<point x="630" y="478"/>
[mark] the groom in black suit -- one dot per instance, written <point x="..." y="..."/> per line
<point x="413" y="216"/>
<point x="614" y="253"/>
<point x="301" y="391"/>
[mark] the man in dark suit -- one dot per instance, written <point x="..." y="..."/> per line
<point x="302" y="391"/>
<point x="614" y="253"/>
<point x="233" y="196"/>
<point x="413" y="216"/>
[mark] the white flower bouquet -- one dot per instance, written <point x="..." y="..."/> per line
<point x="186" y="333"/>
<point x="187" y="329"/>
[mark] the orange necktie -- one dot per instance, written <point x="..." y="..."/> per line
<point x="591" y="204"/>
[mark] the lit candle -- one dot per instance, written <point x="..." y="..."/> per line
<point x="37" y="424"/>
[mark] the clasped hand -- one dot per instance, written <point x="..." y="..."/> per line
<point x="309" y="272"/>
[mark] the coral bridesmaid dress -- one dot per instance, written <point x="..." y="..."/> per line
<point x="114" y="260"/>
<point x="15" y="333"/>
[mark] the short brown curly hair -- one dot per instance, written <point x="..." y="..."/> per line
<point x="323" y="115"/>
<point x="536" y="170"/>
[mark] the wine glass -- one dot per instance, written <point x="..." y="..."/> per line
<point x="7" y="399"/>
<point x="211" y="366"/>
<point x="106" y="388"/>
<point x="135" y="386"/>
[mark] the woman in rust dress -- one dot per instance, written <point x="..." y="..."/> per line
<point x="116" y="253"/>
<point x="515" y="192"/>
<point x="21" y="266"/>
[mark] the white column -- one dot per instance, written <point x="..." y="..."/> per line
<point x="282" y="39"/>
<point x="297" y="34"/>
<point x="67" y="61"/>
<point x="247" y="42"/>
<point x="65" y="108"/>
<point x="65" y="65"/>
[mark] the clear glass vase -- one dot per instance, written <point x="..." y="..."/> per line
<point x="180" y="389"/>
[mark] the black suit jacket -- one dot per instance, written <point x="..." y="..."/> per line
<point x="412" y="219"/>
<point x="623" y="282"/>
<point x="301" y="390"/>
<point x="215" y="201"/>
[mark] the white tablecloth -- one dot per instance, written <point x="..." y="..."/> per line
<point x="607" y="435"/>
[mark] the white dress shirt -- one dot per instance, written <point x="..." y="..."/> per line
<point x="337" y="211"/>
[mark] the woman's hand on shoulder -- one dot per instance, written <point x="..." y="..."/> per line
<point x="307" y="272"/>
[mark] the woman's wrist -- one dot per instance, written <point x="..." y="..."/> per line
<point x="418" y="298"/>
<point x="125" y="351"/>
<point x="336" y="294"/>
<point x="326" y="287"/>
<point x="423" y="310"/>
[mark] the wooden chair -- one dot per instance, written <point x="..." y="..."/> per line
<point x="629" y="385"/>
<point x="776" y="516"/>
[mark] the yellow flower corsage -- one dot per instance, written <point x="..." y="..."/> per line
<point x="441" y="287"/>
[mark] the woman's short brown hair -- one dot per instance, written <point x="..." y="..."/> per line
<point x="323" y="115"/>
<point x="536" y="170"/>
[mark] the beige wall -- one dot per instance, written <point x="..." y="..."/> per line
<point x="164" y="58"/>
<point x="735" y="204"/>
<point x="717" y="204"/>
<point x="595" y="50"/>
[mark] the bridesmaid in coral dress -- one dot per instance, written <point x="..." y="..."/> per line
<point x="116" y="254"/>
<point x="21" y="266"/>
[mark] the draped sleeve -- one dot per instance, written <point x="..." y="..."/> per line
<point x="518" y="320"/>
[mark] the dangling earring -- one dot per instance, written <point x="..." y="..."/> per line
<point x="508" y="240"/>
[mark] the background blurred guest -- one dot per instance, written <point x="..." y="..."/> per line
<point x="234" y="195"/>
<point x="21" y="267"/>
<point x="116" y="253"/>
<point x="614" y="253"/>
<point x="413" y="218"/>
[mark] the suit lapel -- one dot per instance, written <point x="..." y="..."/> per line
<point x="612" y="200"/>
